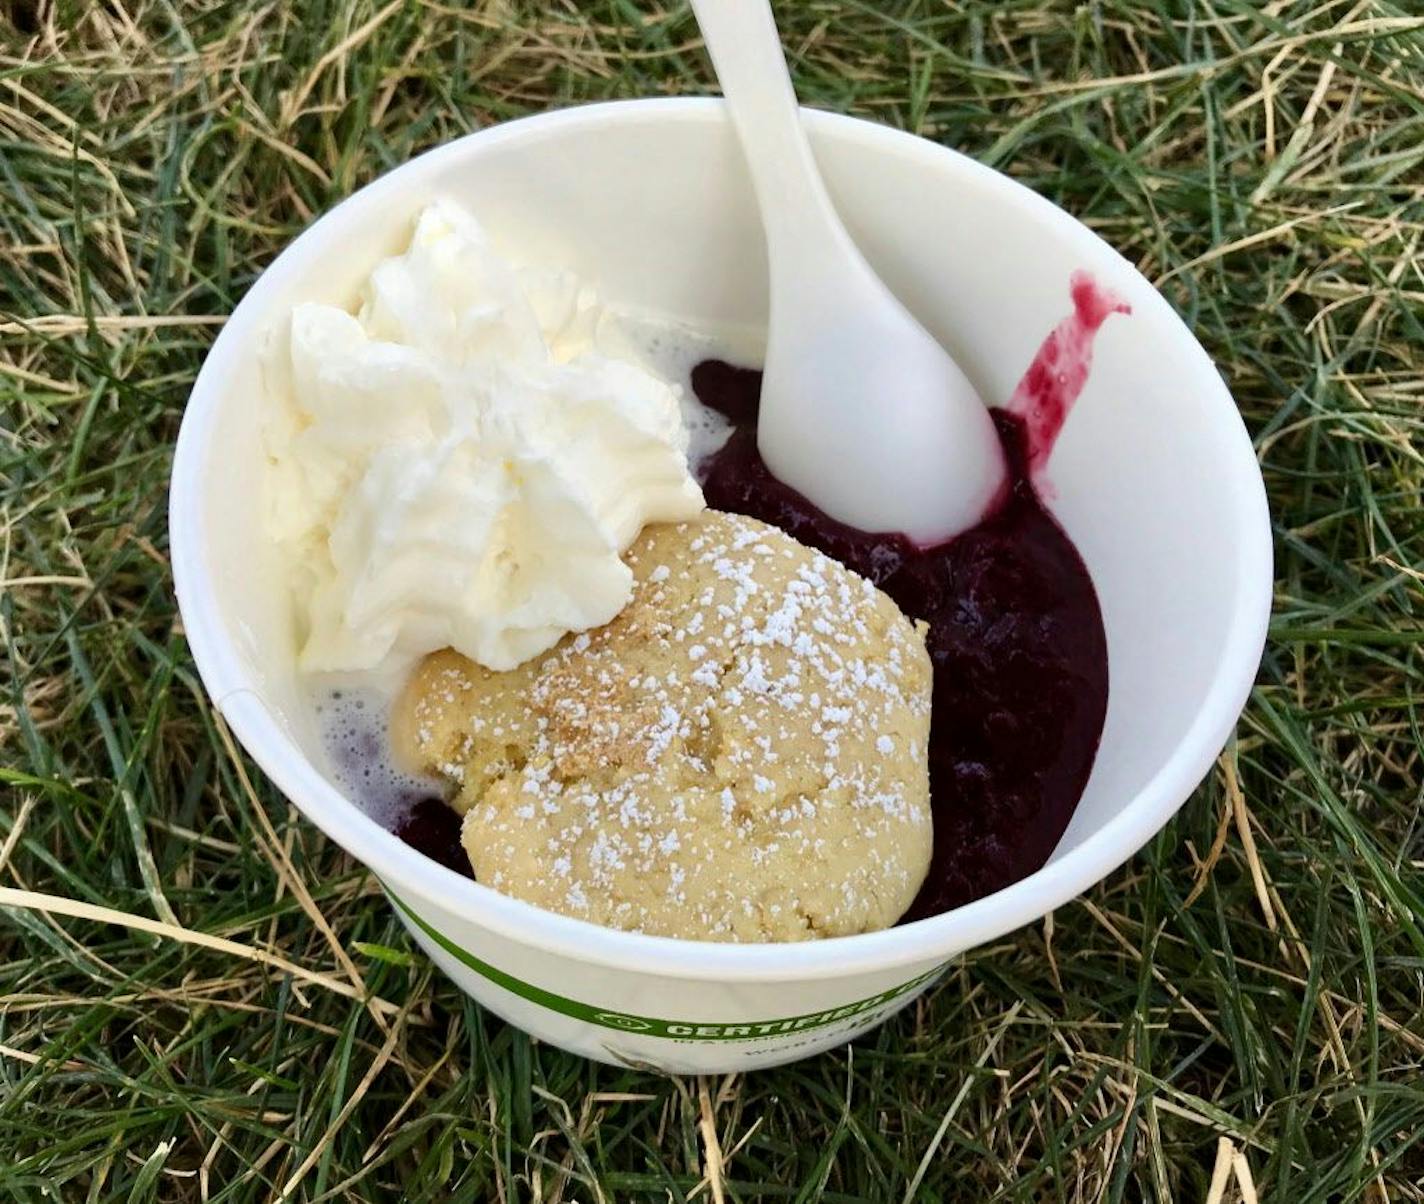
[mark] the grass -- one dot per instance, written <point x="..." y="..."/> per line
<point x="1236" y="1014"/>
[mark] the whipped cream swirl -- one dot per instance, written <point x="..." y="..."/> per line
<point x="459" y="463"/>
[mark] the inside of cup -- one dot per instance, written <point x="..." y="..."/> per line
<point x="657" y="214"/>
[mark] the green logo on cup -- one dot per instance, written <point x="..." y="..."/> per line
<point x="632" y="1024"/>
<point x="652" y="1026"/>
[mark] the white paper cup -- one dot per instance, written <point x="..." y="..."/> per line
<point x="1154" y="479"/>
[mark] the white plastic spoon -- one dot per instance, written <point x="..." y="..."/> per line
<point x="862" y="411"/>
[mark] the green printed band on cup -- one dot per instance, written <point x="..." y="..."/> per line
<point x="651" y="1026"/>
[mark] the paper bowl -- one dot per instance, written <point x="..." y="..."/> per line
<point x="1154" y="478"/>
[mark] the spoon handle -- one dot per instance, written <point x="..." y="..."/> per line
<point x="745" y="48"/>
